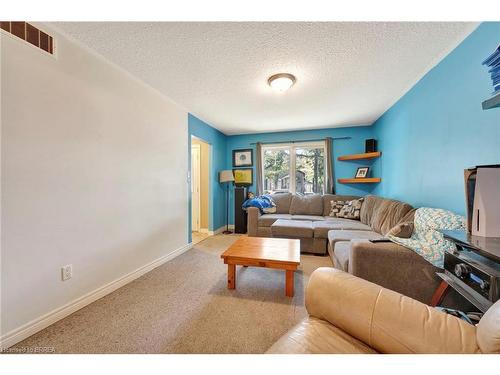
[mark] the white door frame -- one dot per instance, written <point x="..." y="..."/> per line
<point x="195" y="187"/>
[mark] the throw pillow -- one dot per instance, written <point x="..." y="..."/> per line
<point x="346" y="209"/>
<point x="336" y="206"/>
<point x="402" y="230"/>
<point x="351" y="209"/>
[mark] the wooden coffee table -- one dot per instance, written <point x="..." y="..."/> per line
<point x="279" y="253"/>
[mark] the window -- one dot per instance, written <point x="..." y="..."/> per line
<point x="276" y="166"/>
<point x="305" y="161"/>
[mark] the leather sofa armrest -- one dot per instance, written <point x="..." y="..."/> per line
<point x="394" y="267"/>
<point x="383" y="319"/>
<point x="253" y="221"/>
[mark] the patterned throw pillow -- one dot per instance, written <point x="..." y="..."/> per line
<point x="346" y="209"/>
<point x="336" y="206"/>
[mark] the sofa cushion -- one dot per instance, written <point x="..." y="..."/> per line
<point x="351" y="209"/>
<point x="317" y="336"/>
<point x="266" y="220"/>
<point x="307" y="205"/>
<point x="292" y="228"/>
<point x="321" y="228"/>
<point x="348" y="224"/>
<point x="282" y="201"/>
<point x="367" y="209"/>
<point x="488" y="330"/>
<point x="327" y="198"/>
<point x="340" y="255"/>
<point x="335" y="236"/>
<point x="308" y="217"/>
<point x="383" y="214"/>
<point x="388" y="214"/>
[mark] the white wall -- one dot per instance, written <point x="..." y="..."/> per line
<point x="93" y="173"/>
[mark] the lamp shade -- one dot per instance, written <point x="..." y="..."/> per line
<point x="226" y="176"/>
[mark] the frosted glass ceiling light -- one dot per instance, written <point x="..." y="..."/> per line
<point x="281" y="82"/>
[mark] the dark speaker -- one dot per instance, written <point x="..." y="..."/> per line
<point x="370" y="145"/>
<point x="240" y="215"/>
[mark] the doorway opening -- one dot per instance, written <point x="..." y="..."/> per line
<point x="200" y="190"/>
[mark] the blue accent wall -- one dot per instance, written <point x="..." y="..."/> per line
<point x="217" y="195"/>
<point x="342" y="169"/>
<point x="438" y="128"/>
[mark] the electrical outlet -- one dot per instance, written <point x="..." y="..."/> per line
<point x="66" y="272"/>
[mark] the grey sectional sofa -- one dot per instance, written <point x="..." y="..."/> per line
<point x="307" y="218"/>
<point x="348" y="241"/>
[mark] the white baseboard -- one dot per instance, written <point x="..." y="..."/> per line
<point x="204" y="230"/>
<point x="36" y="325"/>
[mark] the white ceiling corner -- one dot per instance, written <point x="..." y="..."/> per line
<point x="348" y="73"/>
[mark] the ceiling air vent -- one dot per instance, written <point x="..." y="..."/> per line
<point x="30" y="34"/>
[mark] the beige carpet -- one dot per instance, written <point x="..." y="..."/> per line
<point x="184" y="306"/>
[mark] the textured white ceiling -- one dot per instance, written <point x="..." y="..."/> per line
<point x="348" y="73"/>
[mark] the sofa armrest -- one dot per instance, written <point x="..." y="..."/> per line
<point x="394" y="267"/>
<point x="253" y="221"/>
<point x="383" y="319"/>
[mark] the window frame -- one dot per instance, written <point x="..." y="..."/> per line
<point x="292" y="146"/>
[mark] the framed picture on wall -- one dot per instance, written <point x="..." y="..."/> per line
<point x="243" y="158"/>
<point x="243" y="177"/>
<point x="362" y="172"/>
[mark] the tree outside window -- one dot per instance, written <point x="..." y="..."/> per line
<point x="305" y="161"/>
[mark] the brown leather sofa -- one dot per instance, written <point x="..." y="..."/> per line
<point x="351" y="315"/>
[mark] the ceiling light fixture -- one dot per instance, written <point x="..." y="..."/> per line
<point x="281" y="81"/>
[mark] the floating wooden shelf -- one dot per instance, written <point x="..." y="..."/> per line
<point x="492" y="102"/>
<point x="367" y="155"/>
<point x="370" y="180"/>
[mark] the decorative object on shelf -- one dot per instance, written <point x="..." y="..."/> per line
<point x="370" y="145"/>
<point x="493" y="62"/>
<point x="243" y="158"/>
<point x="243" y="177"/>
<point x="362" y="172"/>
<point x="226" y="177"/>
